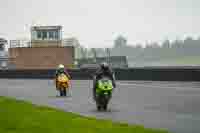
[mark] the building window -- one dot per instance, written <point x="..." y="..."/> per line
<point x="56" y="34"/>
<point x="39" y="35"/>
<point x="44" y="35"/>
<point x="51" y="35"/>
<point x="34" y="35"/>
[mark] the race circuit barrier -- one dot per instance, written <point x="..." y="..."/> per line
<point x="44" y="74"/>
<point x="146" y="73"/>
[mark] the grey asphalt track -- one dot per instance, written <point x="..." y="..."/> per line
<point x="169" y="105"/>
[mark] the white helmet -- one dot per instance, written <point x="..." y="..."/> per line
<point x="61" y="66"/>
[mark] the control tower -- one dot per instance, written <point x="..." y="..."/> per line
<point x="44" y="52"/>
<point x="46" y="36"/>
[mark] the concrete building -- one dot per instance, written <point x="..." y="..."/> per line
<point x="3" y="43"/>
<point x="45" y="52"/>
<point x="41" y="57"/>
<point x="20" y="43"/>
<point x="46" y="36"/>
<point x="70" y="42"/>
<point x="3" y="53"/>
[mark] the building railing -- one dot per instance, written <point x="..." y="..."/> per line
<point x="33" y="43"/>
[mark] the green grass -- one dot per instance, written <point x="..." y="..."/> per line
<point x="23" y="117"/>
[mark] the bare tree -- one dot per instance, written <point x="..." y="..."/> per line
<point x="94" y="51"/>
<point x="120" y="41"/>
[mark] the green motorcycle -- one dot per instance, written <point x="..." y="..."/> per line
<point x="103" y="92"/>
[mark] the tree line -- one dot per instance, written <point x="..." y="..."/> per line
<point x="152" y="51"/>
<point x="167" y="50"/>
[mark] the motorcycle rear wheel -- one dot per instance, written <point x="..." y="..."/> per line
<point x="98" y="107"/>
<point x="105" y="107"/>
<point x="63" y="92"/>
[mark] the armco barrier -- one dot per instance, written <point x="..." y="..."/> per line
<point x="152" y="74"/>
<point x="159" y="74"/>
<point x="45" y="74"/>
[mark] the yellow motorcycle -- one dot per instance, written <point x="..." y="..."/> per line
<point x="62" y="84"/>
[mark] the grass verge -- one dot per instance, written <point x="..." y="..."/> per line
<point x="23" y="117"/>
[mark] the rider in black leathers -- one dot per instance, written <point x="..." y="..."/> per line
<point x="104" y="70"/>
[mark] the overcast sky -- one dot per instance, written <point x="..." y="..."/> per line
<point x="96" y="23"/>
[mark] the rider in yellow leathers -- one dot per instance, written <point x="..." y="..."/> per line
<point x="61" y="70"/>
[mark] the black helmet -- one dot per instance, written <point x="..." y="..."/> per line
<point x="104" y="66"/>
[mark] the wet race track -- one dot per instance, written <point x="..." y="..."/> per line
<point x="171" y="105"/>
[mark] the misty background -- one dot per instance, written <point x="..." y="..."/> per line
<point x="168" y="53"/>
<point x="157" y="32"/>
